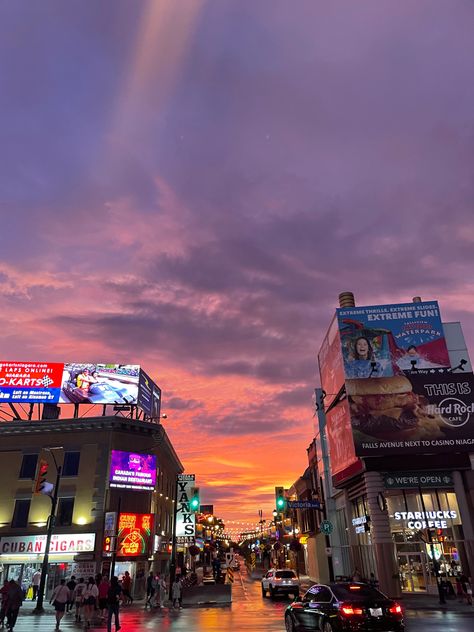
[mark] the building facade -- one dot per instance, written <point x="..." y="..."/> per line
<point x="84" y="447"/>
<point x="397" y="477"/>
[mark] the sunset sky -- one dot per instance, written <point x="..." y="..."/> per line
<point x="189" y="184"/>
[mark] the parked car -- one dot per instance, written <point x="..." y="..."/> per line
<point x="344" y="607"/>
<point x="280" y="582"/>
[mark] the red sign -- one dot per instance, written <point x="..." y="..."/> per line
<point x="340" y="439"/>
<point x="134" y="534"/>
<point x="331" y="368"/>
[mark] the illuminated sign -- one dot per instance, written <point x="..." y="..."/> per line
<point x="131" y="470"/>
<point x="36" y="544"/>
<point x="79" y="383"/>
<point x="134" y="534"/>
<point x="428" y="519"/>
<point x="185" y="527"/>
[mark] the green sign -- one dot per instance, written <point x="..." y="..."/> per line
<point x="326" y="527"/>
<point x="406" y="480"/>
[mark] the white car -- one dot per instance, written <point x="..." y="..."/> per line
<point x="280" y="582"/>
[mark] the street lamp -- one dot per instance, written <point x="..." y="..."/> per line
<point x="50" y="525"/>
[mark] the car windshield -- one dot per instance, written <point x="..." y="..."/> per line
<point x="285" y="574"/>
<point x="356" y="592"/>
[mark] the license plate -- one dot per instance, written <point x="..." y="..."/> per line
<point x="376" y="612"/>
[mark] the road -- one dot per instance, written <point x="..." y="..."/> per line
<point x="249" y="613"/>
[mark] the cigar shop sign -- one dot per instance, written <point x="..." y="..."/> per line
<point x="36" y="544"/>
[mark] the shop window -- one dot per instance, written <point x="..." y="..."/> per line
<point x="20" y="513"/>
<point x="65" y="511"/>
<point x="71" y="463"/>
<point x="28" y="466"/>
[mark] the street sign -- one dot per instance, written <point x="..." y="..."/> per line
<point x="407" y="480"/>
<point x="326" y="527"/>
<point x="303" y="504"/>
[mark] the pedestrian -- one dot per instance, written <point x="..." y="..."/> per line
<point x="113" y="604"/>
<point x="14" y="601"/>
<point x="356" y="576"/>
<point x="150" y="589"/>
<point x="78" y="597"/>
<point x="103" y="592"/>
<point x="162" y="591"/>
<point x="4" y="601"/>
<point x="71" y="584"/>
<point x="59" y="599"/>
<point x="373" y="581"/>
<point x="35" y="582"/>
<point x="91" y="592"/>
<point x="459" y="590"/>
<point x="176" y="592"/>
<point x="466" y="589"/>
<point x="126" y="589"/>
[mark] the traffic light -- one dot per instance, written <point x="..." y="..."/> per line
<point x="41" y="484"/>
<point x="107" y="548"/>
<point x="280" y="503"/>
<point x="194" y="502"/>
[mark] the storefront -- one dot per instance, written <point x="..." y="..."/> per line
<point x="21" y="556"/>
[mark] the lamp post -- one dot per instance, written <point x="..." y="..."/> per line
<point x="50" y="525"/>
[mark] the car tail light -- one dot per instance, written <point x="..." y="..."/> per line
<point x="349" y="610"/>
<point x="395" y="609"/>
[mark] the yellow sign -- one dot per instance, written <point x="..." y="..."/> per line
<point x="304" y="539"/>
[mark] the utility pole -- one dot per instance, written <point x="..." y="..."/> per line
<point x="50" y="526"/>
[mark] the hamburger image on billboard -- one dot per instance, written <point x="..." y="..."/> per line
<point x="424" y="412"/>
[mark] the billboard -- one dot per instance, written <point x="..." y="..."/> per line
<point x="95" y="383"/>
<point x="339" y="434"/>
<point x="79" y="383"/>
<point x="386" y="340"/>
<point x="149" y="395"/>
<point x="134" y="534"/>
<point x="422" y="412"/>
<point x="30" y="382"/>
<point x="130" y="470"/>
<point x="185" y="527"/>
<point x="331" y="368"/>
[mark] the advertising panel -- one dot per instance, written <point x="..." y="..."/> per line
<point x="30" y="382"/>
<point x="185" y="527"/>
<point x="92" y="383"/>
<point x="149" y="395"/>
<point x="331" y="367"/>
<point x="386" y="340"/>
<point x="36" y="544"/>
<point x="134" y="534"/>
<point x="423" y="412"/>
<point x="131" y="470"/>
<point x="340" y="441"/>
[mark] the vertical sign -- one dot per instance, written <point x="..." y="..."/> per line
<point x="185" y="528"/>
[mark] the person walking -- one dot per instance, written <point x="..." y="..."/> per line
<point x="103" y="593"/>
<point x="162" y="591"/>
<point x="71" y="584"/>
<point x="113" y="604"/>
<point x="150" y="589"/>
<point x="91" y="592"/>
<point x="127" y="589"/>
<point x="176" y="592"/>
<point x="466" y="589"/>
<point x="59" y="599"/>
<point x="4" y="601"/>
<point x="14" y="601"/>
<point x="78" y="597"/>
<point x="35" y="582"/>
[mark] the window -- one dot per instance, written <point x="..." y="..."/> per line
<point x="20" y="513"/>
<point x="319" y="593"/>
<point x="71" y="463"/>
<point x="64" y="513"/>
<point x="28" y="466"/>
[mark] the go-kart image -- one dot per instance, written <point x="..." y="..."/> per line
<point x="87" y="386"/>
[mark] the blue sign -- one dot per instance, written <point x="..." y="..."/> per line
<point x="326" y="527"/>
<point x="149" y="395"/>
<point x="386" y="340"/>
<point x="303" y="504"/>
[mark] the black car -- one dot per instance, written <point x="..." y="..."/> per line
<point x="344" y="607"/>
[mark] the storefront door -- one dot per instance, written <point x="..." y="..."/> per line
<point x="412" y="569"/>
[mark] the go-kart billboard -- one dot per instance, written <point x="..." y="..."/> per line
<point x="78" y="383"/>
